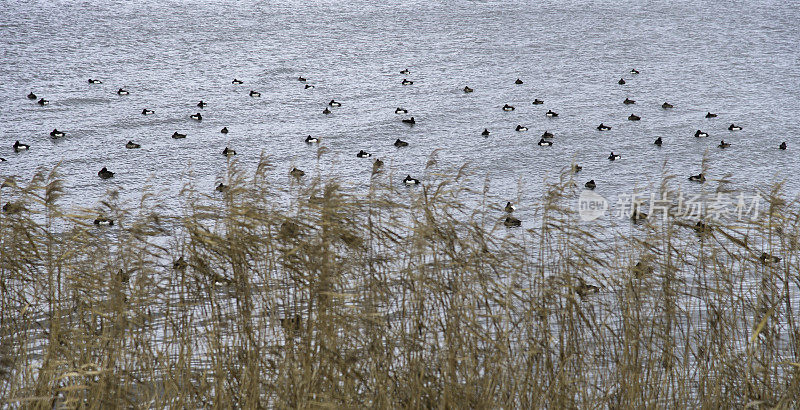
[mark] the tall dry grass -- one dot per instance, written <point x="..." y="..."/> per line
<point x="401" y="297"/>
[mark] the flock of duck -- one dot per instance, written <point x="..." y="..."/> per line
<point x="510" y="221"/>
<point x="546" y="140"/>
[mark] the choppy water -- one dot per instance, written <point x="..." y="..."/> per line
<point x="738" y="59"/>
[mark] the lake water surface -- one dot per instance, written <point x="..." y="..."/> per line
<point x="738" y="59"/>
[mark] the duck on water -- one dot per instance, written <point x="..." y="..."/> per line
<point x="697" y="178"/>
<point x="18" y="146"/>
<point x="104" y="173"/>
<point x="410" y="181"/>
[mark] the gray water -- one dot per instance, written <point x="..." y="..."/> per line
<point x="738" y="59"/>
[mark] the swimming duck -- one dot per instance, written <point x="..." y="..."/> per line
<point x="710" y="115"/>
<point x="255" y="93"/>
<point x="177" y="135"/>
<point x="376" y="166"/>
<point x="782" y="146"/>
<point x="399" y="110"/>
<point x="228" y="152"/>
<point x="409" y="121"/>
<point x="485" y="132"/>
<point x="31" y="96"/>
<point x="180" y="264"/>
<point x="400" y="143"/>
<point x="545" y="143"/>
<point x="511" y="222"/>
<point x="221" y="187"/>
<point x="621" y="81"/>
<point x="666" y="105"/>
<point x="733" y="127"/>
<point x="634" y="117"/>
<point x="407" y="82"/>
<point x="551" y="113"/>
<point x="700" y="134"/>
<point x="312" y="140"/>
<point x="2" y="159"/>
<point x="518" y="82"/>
<point x="326" y="111"/>
<point x="658" y="141"/>
<point x="583" y="289"/>
<point x="307" y="86"/>
<point x="767" y="258"/>
<point x="56" y="133"/>
<point x="537" y="101"/>
<point x="547" y="134"/>
<point x="603" y="127"/>
<point x="21" y="147"/>
<point x="297" y="173"/>
<point x="576" y="168"/>
<point x="224" y="130"/>
<point x="42" y="101"/>
<point x="591" y="184"/>
<point x="642" y="269"/>
<point x="13" y="207"/>
<point x="363" y="154"/>
<point x="636" y="214"/>
<point x="634" y="71"/>
<point x="132" y="145"/>
<point x="202" y="104"/>
<point x="613" y="156"/>
<point x="122" y="91"/>
<point x="410" y="181"/>
<point x="508" y="108"/>
<point x="697" y="178"/>
<point x="468" y="90"/>
<point x="237" y="82"/>
<point x="521" y="128"/>
<point x="405" y="71"/>
<point x="301" y="79"/>
<point x="723" y="144"/>
<point x="104" y="221"/>
<point x="95" y="81"/>
<point x="628" y="101"/>
<point x="335" y="103"/>
<point x="510" y="207"/>
<point x="197" y="117"/>
<point x="701" y="227"/>
<point x="147" y="112"/>
<point x="104" y="173"/>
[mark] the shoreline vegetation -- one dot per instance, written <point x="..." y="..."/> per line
<point x="368" y="301"/>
